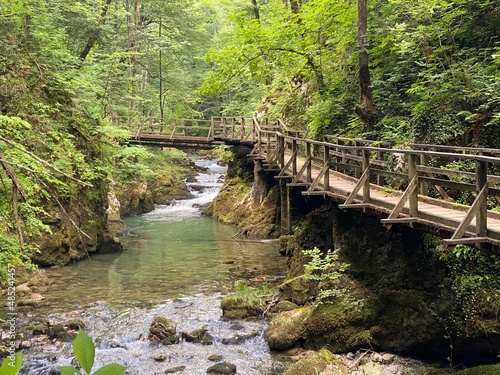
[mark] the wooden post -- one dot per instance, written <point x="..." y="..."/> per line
<point x="295" y="152"/>
<point x="481" y="181"/>
<point x="424" y="185"/>
<point x="281" y="142"/>
<point x="412" y="172"/>
<point x="380" y="156"/>
<point x="357" y="172"/>
<point x="366" y="185"/>
<point x="326" y="160"/>
<point x="309" y="169"/>
<point x="288" y="210"/>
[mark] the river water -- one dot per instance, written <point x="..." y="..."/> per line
<point x="177" y="264"/>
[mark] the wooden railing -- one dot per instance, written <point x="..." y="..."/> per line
<point x="415" y="173"/>
<point x="420" y="171"/>
<point x="217" y="128"/>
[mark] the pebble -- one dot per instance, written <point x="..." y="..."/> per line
<point x="350" y="356"/>
<point x="388" y="358"/>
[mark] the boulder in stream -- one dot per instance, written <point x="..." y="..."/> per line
<point x="163" y="330"/>
<point x="222" y="368"/>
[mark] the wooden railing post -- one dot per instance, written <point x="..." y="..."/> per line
<point x="481" y="181"/>
<point x="309" y="166"/>
<point x="295" y="153"/>
<point x="357" y="152"/>
<point x="326" y="160"/>
<point x="380" y="178"/>
<point x="424" y="185"/>
<point x="413" y="173"/>
<point x="281" y="142"/>
<point x="366" y="168"/>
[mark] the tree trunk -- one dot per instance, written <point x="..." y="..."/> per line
<point x="295" y="6"/>
<point x="95" y="33"/>
<point x="256" y="10"/>
<point x="365" y="109"/>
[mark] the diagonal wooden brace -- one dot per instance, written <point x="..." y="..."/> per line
<point x="316" y="181"/>
<point x="302" y="170"/>
<point x="471" y="213"/>
<point x="399" y="207"/>
<point x="288" y="164"/>
<point x="356" y="189"/>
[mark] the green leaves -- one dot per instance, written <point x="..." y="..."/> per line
<point x="111" y="369"/>
<point x="11" y="366"/>
<point x="84" y="350"/>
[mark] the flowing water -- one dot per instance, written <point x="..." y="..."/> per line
<point x="176" y="263"/>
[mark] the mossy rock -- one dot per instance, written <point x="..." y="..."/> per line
<point x="333" y="325"/>
<point x="481" y="370"/>
<point x="282" y="306"/>
<point x="315" y="364"/>
<point x="287" y="328"/>
<point x="162" y="329"/>
<point x="222" y="368"/>
<point x="299" y="289"/>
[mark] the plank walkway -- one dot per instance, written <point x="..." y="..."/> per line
<point x="434" y="214"/>
<point x="354" y="172"/>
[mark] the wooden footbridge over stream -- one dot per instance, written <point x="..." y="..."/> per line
<point x="410" y="185"/>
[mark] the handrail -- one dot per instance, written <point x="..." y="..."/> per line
<point x="366" y="163"/>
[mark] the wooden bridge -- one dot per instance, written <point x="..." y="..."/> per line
<point x="412" y="185"/>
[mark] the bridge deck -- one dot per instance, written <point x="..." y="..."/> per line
<point x="436" y="170"/>
<point x="434" y="214"/>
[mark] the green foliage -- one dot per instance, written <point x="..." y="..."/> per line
<point x="324" y="268"/>
<point x="11" y="366"/>
<point x="224" y="153"/>
<point x="474" y="296"/>
<point x="84" y="350"/>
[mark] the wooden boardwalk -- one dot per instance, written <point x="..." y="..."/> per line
<point x="414" y="185"/>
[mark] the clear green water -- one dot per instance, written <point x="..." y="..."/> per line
<point x="173" y="254"/>
<point x="178" y="264"/>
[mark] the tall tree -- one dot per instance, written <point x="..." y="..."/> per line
<point x="365" y="109"/>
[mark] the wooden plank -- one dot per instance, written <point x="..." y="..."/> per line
<point x="354" y="205"/>
<point x="399" y="220"/>
<point x="466" y="240"/>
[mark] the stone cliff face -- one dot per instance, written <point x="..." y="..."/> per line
<point x="393" y="290"/>
<point x="78" y="229"/>
<point x="386" y="289"/>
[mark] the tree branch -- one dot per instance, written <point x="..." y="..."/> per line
<point x="46" y="164"/>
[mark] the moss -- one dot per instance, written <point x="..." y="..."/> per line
<point x="298" y="290"/>
<point x="287" y="328"/>
<point x="481" y="370"/>
<point x="246" y="301"/>
<point x="313" y="364"/>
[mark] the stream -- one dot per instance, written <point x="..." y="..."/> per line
<point x="176" y="263"/>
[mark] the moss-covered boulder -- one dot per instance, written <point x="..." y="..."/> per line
<point x="299" y="289"/>
<point x="245" y="301"/>
<point x="287" y="328"/>
<point x="163" y="330"/>
<point x="316" y="363"/>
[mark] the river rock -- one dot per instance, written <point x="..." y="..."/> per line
<point x="388" y="358"/>
<point x="75" y="324"/>
<point x="163" y="330"/>
<point x="59" y="332"/>
<point x="238" y="339"/>
<point x="215" y="358"/>
<point x="237" y="327"/>
<point x="313" y="364"/>
<point x="284" y="306"/>
<point x="198" y="336"/>
<point x="286" y="328"/>
<point x="175" y="369"/>
<point x="222" y="368"/>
